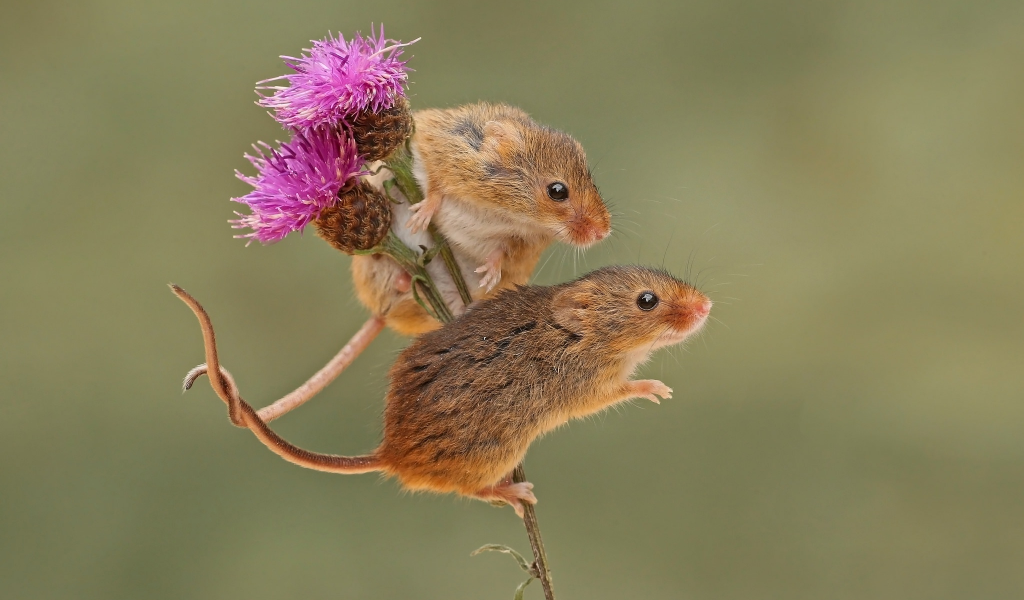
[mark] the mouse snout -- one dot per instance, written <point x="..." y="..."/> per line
<point x="585" y="230"/>
<point x="702" y="309"/>
<point x="590" y="233"/>
<point x="691" y="312"/>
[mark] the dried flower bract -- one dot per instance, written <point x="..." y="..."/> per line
<point x="358" y="221"/>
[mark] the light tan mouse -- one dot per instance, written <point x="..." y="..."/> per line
<point x="466" y="401"/>
<point x="498" y="185"/>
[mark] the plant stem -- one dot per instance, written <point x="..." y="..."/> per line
<point x="540" y="557"/>
<point x="453" y="266"/>
<point x="415" y="265"/>
<point x="400" y="163"/>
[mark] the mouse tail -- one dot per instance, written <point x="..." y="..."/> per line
<point x="243" y="415"/>
<point x="315" y="384"/>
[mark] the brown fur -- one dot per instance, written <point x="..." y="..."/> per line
<point x="467" y="400"/>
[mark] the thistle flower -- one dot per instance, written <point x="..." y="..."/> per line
<point x="338" y="80"/>
<point x="295" y="182"/>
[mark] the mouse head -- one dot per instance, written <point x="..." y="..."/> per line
<point x="631" y="310"/>
<point x="559" y="190"/>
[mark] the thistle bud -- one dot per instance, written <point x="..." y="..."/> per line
<point x="378" y="134"/>
<point x="359" y="220"/>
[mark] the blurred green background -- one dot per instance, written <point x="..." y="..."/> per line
<point x="849" y="177"/>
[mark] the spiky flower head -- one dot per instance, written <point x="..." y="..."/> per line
<point x="295" y="182"/>
<point x="338" y="80"/>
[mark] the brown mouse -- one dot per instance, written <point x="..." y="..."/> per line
<point x="500" y="188"/>
<point x="466" y="401"/>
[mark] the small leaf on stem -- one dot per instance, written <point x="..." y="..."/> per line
<point x="521" y="589"/>
<point x="523" y="564"/>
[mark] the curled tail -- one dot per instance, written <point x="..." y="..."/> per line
<point x="321" y="379"/>
<point x="243" y="415"/>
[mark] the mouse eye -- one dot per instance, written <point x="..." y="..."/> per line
<point x="646" y="301"/>
<point x="558" y="191"/>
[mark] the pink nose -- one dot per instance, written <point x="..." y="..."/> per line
<point x="590" y="233"/>
<point x="703" y="309"/>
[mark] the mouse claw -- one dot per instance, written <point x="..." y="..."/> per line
<point x="650" y="389"/>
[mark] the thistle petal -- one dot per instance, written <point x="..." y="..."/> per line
<point x="295" y="182"/>
<point x="337" y="80"/>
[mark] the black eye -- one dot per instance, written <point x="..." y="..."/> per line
<point x="558" y="191"/>
<point x="646" y="301"/>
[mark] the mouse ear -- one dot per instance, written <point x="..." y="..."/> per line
<point x="501" y="138"/>
<point x="569" y="307"/>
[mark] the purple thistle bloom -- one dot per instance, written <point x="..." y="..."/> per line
<point x="337" y="81"/>
<point x="295" y="182"/>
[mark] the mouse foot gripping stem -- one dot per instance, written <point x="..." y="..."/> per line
<point x="423" y="211"/>
<point x="513" y="494"/>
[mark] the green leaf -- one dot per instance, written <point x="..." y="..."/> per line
<point x="521" y="589"/>
<point x="523" y="564"/>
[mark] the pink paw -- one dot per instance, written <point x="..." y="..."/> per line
<point x="491" y="270"/>
<point x="422" y="212"/>
<point x="403" y="282"/>
<point x="517" y="493"/>
<point x="513" y="494"/>
<point x="651" y="389"/>
<point x="491" y="276"/>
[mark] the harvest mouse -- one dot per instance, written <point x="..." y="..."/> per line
<point x="465" y="401"/>
<point x="500" y="188"/>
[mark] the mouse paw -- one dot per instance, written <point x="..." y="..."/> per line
<point x="523" y="491"/>
<point x="422" y="212"/>
<point x="513" y="494"/>
<point x="650" y="389"/>
<point x="491" y="271"/>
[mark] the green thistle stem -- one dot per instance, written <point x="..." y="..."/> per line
<point x="400" y="164"/>
<point x="416" y="265"/>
